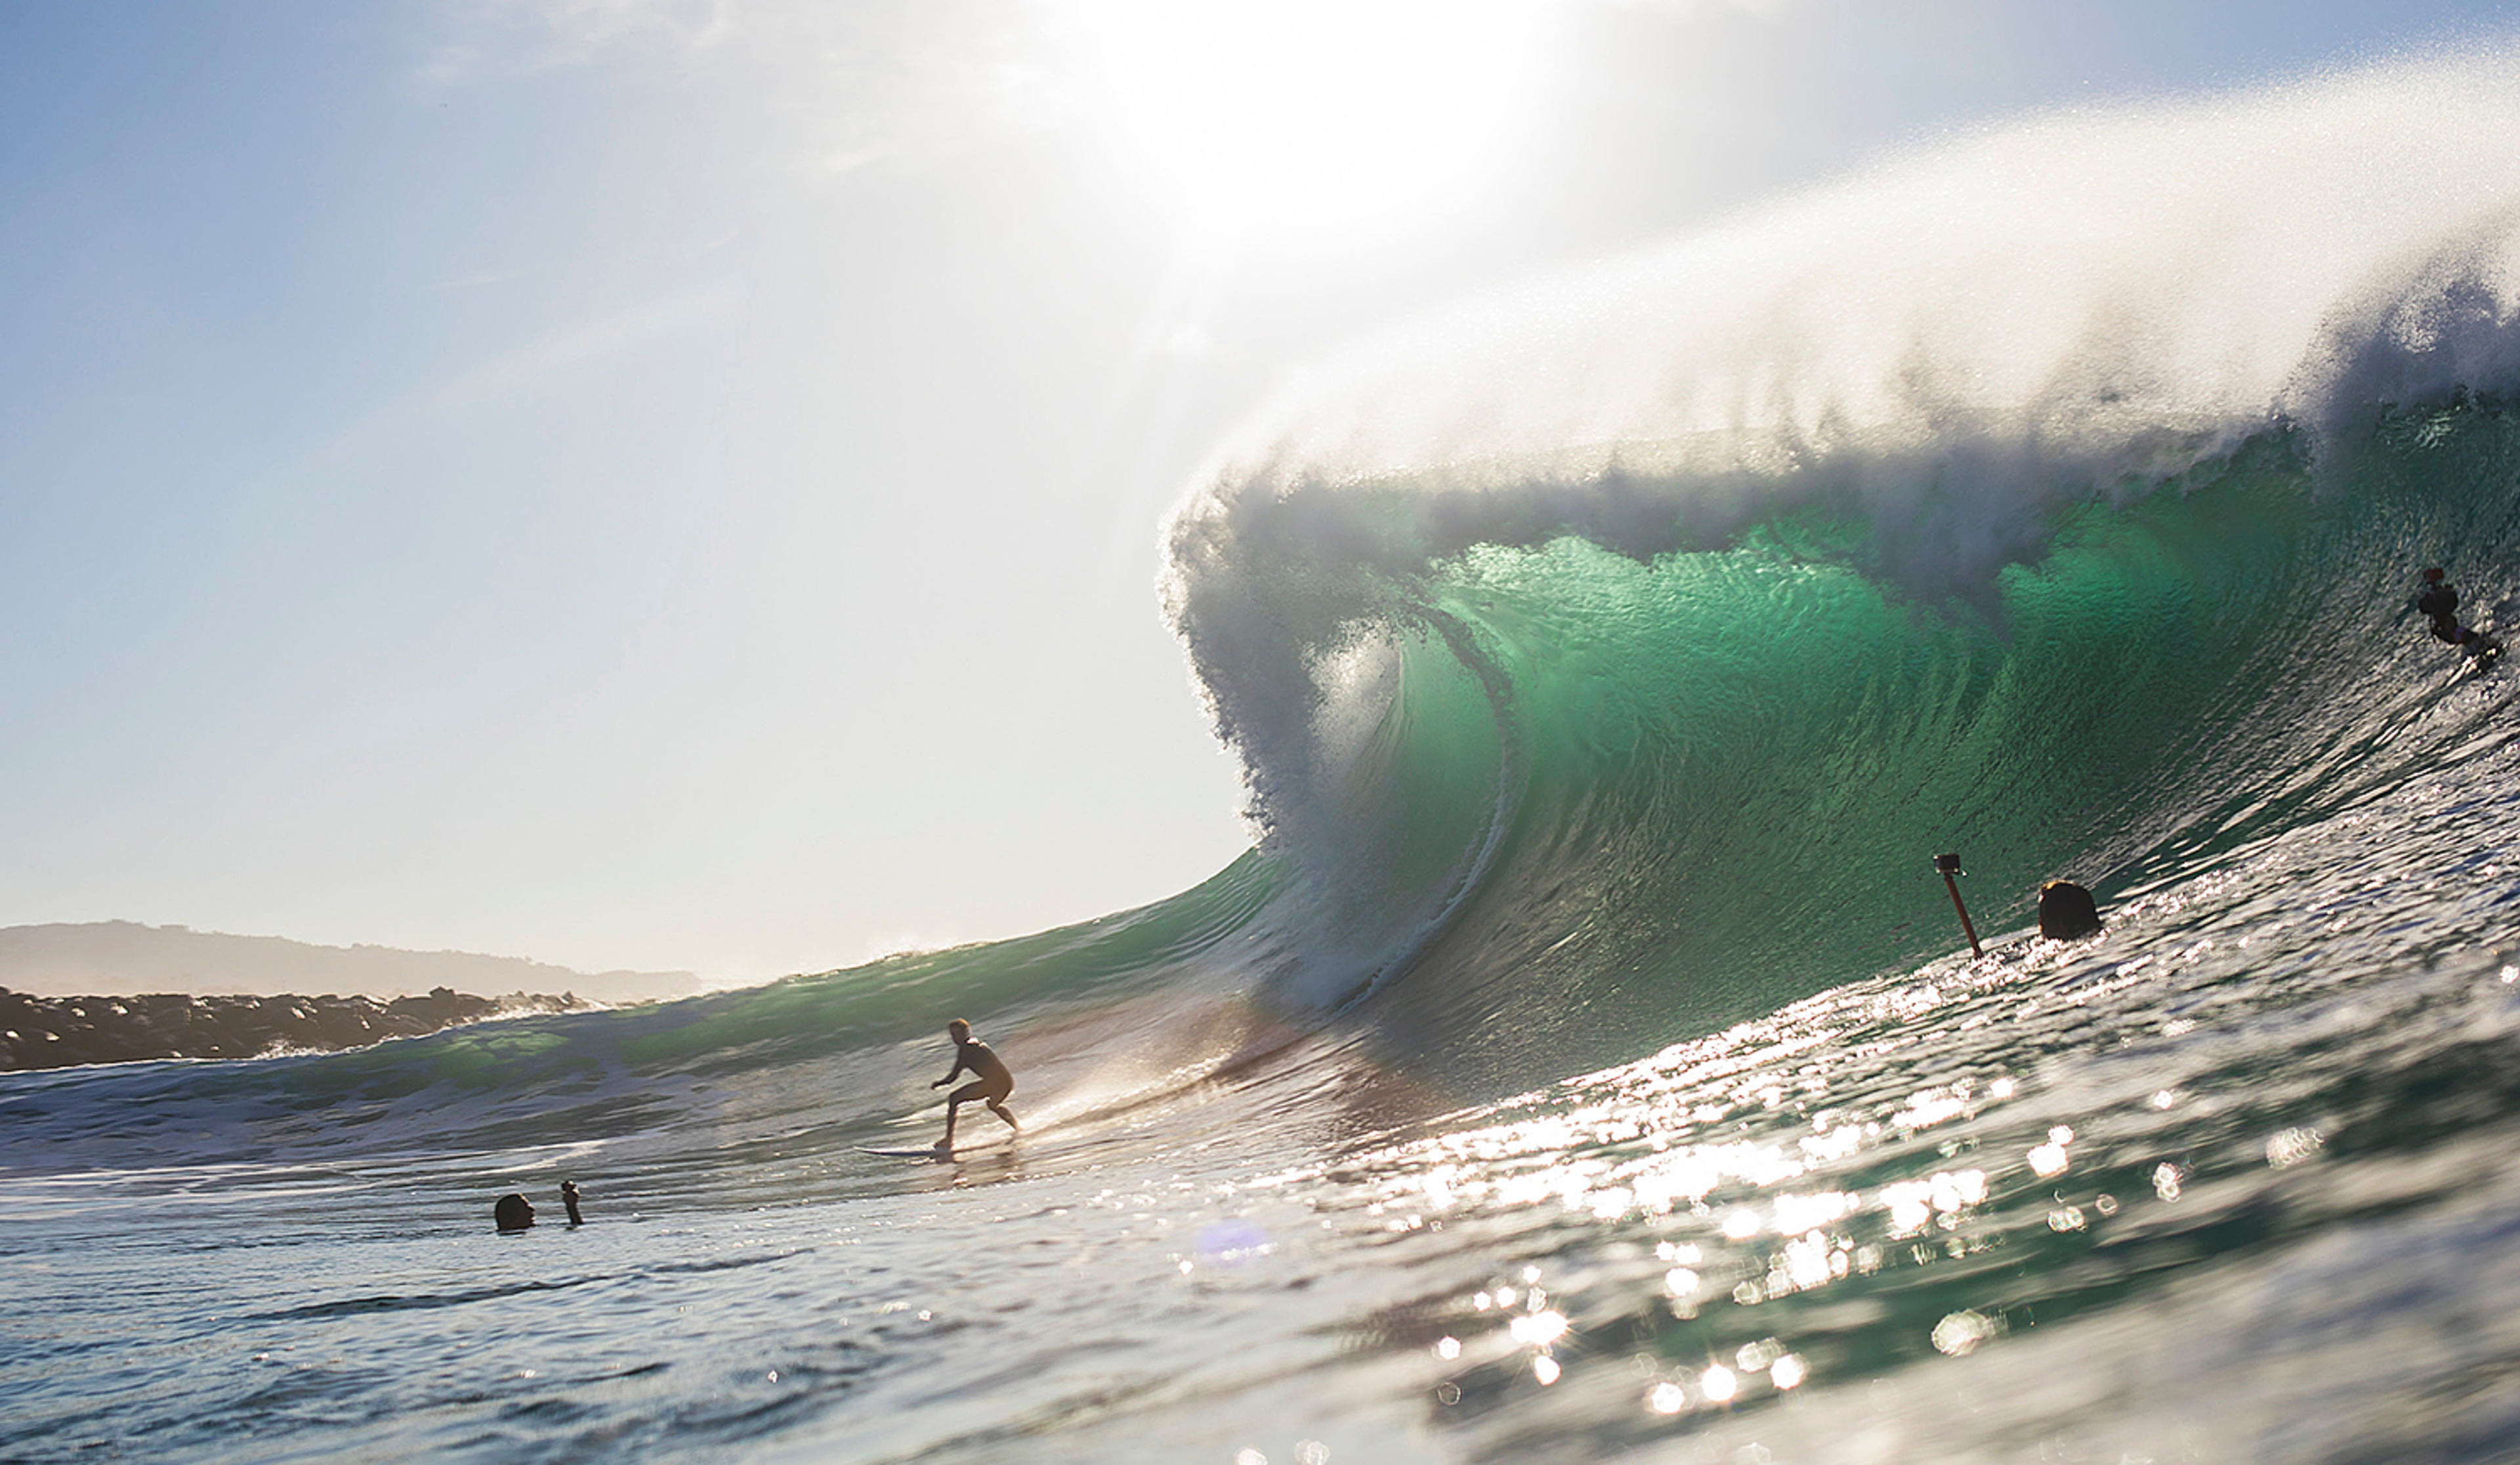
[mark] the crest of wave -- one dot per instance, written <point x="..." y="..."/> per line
<point x="1947" y="346"/>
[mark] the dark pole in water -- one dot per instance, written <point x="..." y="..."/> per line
<point x="1949" y="866"/>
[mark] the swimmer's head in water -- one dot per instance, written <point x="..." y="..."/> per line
<point x="2433" y="576"/>
<point x="957" y="1030"/>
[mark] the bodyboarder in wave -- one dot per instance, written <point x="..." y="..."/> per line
<point x="2438" y="604"/>
<point x="990" y="1083"/>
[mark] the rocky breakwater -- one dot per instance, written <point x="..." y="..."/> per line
<point x="56" y="1032"/>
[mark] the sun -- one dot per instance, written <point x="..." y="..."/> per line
<point x="1313" y="119"/>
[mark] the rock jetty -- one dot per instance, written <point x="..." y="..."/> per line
<point x="56" y="1032"/>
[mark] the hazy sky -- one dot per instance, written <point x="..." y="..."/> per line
<point x="677" y="484"/>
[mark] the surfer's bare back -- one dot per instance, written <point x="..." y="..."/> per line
<point x="990" y="1079"/>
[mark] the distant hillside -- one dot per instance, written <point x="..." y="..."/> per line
<point x="120" y="958"/>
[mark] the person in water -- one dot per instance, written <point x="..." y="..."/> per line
<point x="990" y="1083"/>
<point x="2440" y="605"/>
<point x="569" y="1198"/>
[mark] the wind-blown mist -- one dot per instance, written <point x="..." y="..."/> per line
<point x="2103" y="296"/>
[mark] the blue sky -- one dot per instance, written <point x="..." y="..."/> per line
<point x="677" y="485"/>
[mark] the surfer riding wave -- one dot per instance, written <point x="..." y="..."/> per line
<point x="2438" y="604"/>
<point x="991" y="1081"/>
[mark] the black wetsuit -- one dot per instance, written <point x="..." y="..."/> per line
<point x="2440" y="605"/>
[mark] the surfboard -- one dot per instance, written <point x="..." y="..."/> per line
<point x="2487" y="649"/>
<point x="2477" y="657"/>
<point x="907" y="1152"/>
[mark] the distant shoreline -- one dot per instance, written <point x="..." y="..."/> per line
<point x="63" y="1031"/>
<point x="124" y="959"/>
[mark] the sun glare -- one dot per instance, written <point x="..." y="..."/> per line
<point x="1314" y="118"/>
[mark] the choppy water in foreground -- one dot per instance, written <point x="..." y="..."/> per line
<point x="1578" y="1070"/>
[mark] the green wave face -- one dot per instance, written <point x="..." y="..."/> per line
<point x="1727" y="772"/>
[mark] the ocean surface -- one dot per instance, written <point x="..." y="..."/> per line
<point x="1586" y="1064"/>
